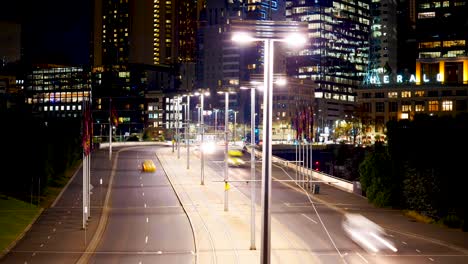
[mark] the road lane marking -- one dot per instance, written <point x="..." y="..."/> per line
<point x="145" y="205"/>
<point x="431" y="259"/>
<point x="363" y="258"/>
<point x="33" y="254"/>
<point x="404" y="242"/>
<point x="147" y="220"/>
<point x="146" y="240"/>
<point x="53" y="230"/>
<point x="48" y="237"/>
<point x="141" y="185"/>
<point x="417" y="250"/>
<point x="159" y="252"/>
<point x="143" y="194"/>
<point x="312" y="220"/>
<point x="41" y="245"/>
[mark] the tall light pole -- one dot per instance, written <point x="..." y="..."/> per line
<point x="187" y="129"/>
<point x="216" y="123"/>
<point x="252" y="167"/>
<point x="178" y="125"/>
<point x="202" y="173"/>
<point x="202" y="132"/>
<point x="226" y="150"/>
<point x="235" y="126"/>
<point x="268" y="32"/>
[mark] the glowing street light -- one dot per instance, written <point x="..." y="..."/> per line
<point x="202" y="152"/>
<point x="268" y="32"/>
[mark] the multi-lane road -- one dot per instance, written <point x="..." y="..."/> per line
<point x="144" y="220"/>
<point x="317" y="220"/>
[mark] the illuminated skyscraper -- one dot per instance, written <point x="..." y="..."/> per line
<point x="337" y="57"/>
<point x="139" y="46"/>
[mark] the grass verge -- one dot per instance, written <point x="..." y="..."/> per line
<point x="15" y="216"/>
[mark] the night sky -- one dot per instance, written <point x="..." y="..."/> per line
<point x="54" y="31"/>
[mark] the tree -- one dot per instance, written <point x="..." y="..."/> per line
<point x="376" y="177"/>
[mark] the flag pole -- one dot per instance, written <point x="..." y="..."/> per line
<point x="110" y="128"/>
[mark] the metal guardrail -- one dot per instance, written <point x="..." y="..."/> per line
<point x="342" y="184"/>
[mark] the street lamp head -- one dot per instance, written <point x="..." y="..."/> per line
<point x="242" y="37"/>
<point x="281" y="82"/>
<point x="295" y="39"/>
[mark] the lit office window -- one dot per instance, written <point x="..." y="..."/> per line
<point x="447" y="106"/>
<point x="419" y="93"/>
<point x="405" y="94"/>
<point x="406" y="108"/>
<point x="433" y="106"/>
<point x="392" y="94"/>
<point x="419" y="107"/>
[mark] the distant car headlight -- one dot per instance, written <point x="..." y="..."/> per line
<point x="208" y="147"/>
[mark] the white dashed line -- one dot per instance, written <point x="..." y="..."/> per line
<point x="146" y="240"/>
<point x="159" y="252"/>
<point x="33" y="254"/>
<point x="145" y="205"/>
<point x="312" y="220"/>
<point x="143" y="194"/>
<point x="147" y="220"/>
<point x="365" y="260"/>
<point x="41" y="245"/>
<point x="53" y="230"/>
<point x="404" y="242"/>
<point x="417" y="250"/>
<point x="141" y="185"/>
<point x="431" y="259"/>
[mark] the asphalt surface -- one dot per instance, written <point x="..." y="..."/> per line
<point x="317" y="220"/>
<point x="168" y="217"/>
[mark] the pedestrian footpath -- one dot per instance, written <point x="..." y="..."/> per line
<point x="224" y="236"/>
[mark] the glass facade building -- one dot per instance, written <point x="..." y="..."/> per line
<point x="337" y="55"/>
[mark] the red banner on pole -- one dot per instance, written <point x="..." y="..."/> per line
<point x="87" y="128"/>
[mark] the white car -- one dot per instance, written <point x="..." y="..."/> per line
<point x="367" y="234"/>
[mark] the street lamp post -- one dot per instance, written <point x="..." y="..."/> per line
<point x="216" y="124"/>
<point x="235" y="126"/>
<point x="202" y="134"/>
<point x="252" y="168"/>
<point x="178" y="126"/>
<point x="226" y="142"/>
<point x="268" y="32"/>
<point x="187" y="128"/>
<point x="202" y="150"/>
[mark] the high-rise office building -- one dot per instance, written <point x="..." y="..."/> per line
<point x="337" y="54"/>
<point x="383" y="47"/>
<point x="139" y="46"/>
<point x="432" y="74"/>
<point x="431" y="29"/>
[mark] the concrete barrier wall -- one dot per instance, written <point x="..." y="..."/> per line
<point x="131" y="143"/>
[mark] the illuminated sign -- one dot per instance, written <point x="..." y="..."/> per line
<point x="385" y="79"/>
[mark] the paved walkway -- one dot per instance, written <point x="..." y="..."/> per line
<point x="224" y="237"/>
